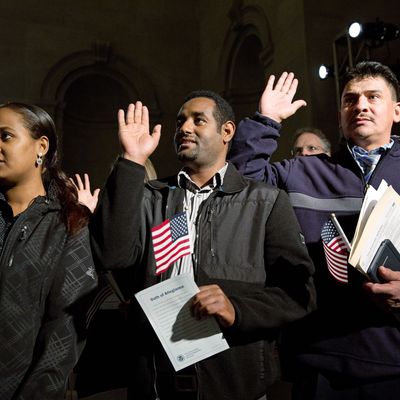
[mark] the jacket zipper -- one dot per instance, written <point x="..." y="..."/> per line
<point x="16" y="234"/>
<point x="210" y="219"/>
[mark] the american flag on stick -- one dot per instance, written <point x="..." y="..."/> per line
<point x="336" y="252"/>
<point x="171" y="241"/>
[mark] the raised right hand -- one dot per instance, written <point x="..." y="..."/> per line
<point x="277" y="102"/>
<point x="134" y="133"/>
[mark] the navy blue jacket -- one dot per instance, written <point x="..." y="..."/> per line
<point x="348" y="333"/>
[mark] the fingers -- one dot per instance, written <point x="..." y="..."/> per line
<point x="389" y="292"/>
<point x="291" y="86"/>
<point x="121" y="118"/>
<point x="73" y="182"/>
<point x="144" y="115"/>
<point x="79" y="182"/>
<point x="391" y="287"/>
<point x="87" y="181"/>
<point x="211" y="300"/>
<point x="130" y="114"/>
<point x="205" y="301"/>
<point x="287" y="82"/>
<point x="388" y="274"/>
<point x="135" y="114"/>
<point x="270" y="83"/>
<point x="281" y="82"/>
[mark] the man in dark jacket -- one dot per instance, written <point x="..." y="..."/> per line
<point x="249" y="257"/>
<point x="348" y="348"/>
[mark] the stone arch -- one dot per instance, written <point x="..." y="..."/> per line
<point x="96" y="60"/>
<point x="83" y="92"/>
<point x="247" y="53"/>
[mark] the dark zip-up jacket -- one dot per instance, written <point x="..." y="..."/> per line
<point x="249" y="243"/>
<point x="46" y="277"/>
<point x="348" y="334"/>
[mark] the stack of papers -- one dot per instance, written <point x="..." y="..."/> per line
<point x="379" y="220"/>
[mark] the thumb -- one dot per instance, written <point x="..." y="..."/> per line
<point x="156" y="134"/>
<point x="298" y="104"/>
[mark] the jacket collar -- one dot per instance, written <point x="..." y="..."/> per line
<point x="233" y="182"/>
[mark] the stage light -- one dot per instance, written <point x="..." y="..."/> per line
<point x="374" y="34"/>
<point x="324" y="72"/>
<point x="355" y="29"/>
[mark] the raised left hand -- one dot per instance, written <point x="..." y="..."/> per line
<point x="85" y="196"/>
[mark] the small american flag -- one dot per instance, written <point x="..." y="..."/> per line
<point x="171" y="241"/>
<point x="336" y="252"/>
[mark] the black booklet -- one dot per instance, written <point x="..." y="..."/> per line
<point x="386" y="255"/>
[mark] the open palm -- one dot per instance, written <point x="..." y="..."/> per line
<point x="134" y="133"/>
<point x="277" y="102"/>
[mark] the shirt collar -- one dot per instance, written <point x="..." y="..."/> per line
<point x="357" y="150"/>
<point x="217" y="181"/>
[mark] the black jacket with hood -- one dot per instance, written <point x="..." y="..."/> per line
<point x="47" y="278"/>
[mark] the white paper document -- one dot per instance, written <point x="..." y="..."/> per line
<point x="381" y="221"/>
<point x="184" y="339"/>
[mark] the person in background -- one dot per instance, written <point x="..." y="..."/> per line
<point x="89" y="199"/>
<point x="309" y="141"/>
<point x="250" y="263"/>
<point x="348" y="348"/>
<point x="47" y="274"/>
<point x="86" y="197"/>
<point x="109" y="313"/>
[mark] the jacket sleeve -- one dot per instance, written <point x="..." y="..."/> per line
<point x="115" y="224"/>
<point x="254" y="143"/>
<point x="289" y="292"/>
<point x="63" y="331"/>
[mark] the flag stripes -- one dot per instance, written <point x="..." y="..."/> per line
<point x="171" y="241"/>
<point x="336" y="252"/>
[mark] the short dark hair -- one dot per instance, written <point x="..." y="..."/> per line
<point x="373" y="69"/>
<point x="315" y="131"/>
<point x="223" y="111"/>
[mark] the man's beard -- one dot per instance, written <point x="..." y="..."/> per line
<point x="185" y="156"/>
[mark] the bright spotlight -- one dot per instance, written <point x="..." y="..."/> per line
<point x="323" y="72"/>
<point x="355" y="29"/>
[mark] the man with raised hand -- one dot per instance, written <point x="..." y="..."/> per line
<point x="249" y="259"/>
<point x="347" y="349"/>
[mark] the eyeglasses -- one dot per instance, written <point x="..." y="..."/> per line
<point x="297" y="151"/>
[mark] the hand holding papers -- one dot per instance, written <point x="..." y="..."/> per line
<point x="379" y="220"/>
<point x="184" y="339"/>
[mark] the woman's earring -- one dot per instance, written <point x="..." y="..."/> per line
<point x="39" y="159"/>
